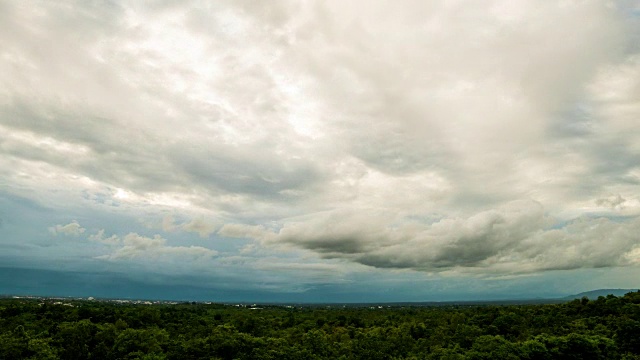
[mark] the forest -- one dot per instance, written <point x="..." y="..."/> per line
<point x="602" y="328"/>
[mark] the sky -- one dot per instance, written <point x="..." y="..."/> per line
<point x="319" y="151"/>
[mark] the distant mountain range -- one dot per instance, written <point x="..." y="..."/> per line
<point x="594" y="294"/>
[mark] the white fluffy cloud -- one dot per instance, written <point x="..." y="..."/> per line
<point x="72" y="228"/>
<point x="136" y="246"/>
<point x="200" y="225"/>
<point x="100" y="237"/>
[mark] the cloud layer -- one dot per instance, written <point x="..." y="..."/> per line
<point x="442" y="137"/>
<point x="513" y="239"/>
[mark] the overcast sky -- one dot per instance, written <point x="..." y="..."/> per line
<point x="354" y="150"/>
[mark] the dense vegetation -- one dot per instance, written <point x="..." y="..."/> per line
<point x="606" y="328"/>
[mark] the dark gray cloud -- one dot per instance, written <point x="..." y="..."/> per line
<point x="516" y="238"/>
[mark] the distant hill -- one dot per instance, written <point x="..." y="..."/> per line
<point x="594" y="294"/>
